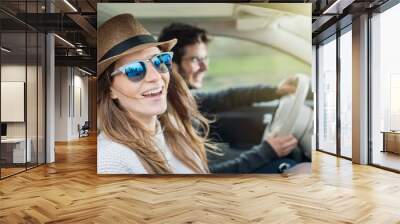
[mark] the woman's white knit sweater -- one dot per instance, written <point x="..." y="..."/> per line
<point x="115" y="158"/>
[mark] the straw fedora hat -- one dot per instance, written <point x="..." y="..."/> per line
<point x="122" y="35"/>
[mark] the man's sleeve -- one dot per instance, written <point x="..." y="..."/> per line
<point x="213" y="102"/>
<point x="248" y="161"/>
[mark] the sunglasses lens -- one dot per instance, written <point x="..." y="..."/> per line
<point x="136" y="71"/>
<point x="162" y="62"/>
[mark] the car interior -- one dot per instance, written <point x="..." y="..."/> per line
<point x="277" y="27"/>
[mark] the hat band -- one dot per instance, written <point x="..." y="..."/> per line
<point x="128" y="44"/>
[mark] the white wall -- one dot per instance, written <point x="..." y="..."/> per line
<point x="70" y="84"/>
<point x="61" y="103"/>
<point x="12" y="73"/>
<point x="79" y="112"/>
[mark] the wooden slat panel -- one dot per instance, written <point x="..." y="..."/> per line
<point x="392" y="142"/>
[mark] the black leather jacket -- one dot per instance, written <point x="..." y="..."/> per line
<point x="214" y="102"/>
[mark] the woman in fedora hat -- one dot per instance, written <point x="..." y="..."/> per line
<point x="145" y="110"/>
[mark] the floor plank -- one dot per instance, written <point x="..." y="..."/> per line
<point x="70" y="191"/>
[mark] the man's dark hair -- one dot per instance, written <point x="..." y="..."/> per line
<point x="186" y="35"/>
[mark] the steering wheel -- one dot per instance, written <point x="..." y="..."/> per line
<point x="293" y="117"/>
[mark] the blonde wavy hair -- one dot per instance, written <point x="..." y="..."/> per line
<point x="177" y="123"/>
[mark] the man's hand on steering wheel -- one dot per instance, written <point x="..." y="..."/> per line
<point x="287" y="86"/>
<point x="283" y="144"/>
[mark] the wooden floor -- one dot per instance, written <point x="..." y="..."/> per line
<point x="10" y="171"/>
<point x="5" y="172"/>
<point x="70" y="191"/>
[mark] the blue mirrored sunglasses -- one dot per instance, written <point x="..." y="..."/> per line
<point x="136" y="70"/>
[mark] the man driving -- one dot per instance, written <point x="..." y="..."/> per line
<point x="191" y="61"/>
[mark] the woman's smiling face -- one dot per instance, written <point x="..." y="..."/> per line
<point x="145" y="98"/>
